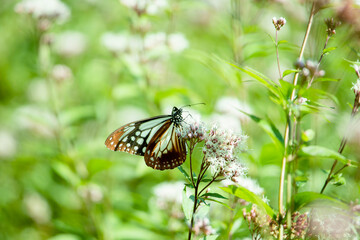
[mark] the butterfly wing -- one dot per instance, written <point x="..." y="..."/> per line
<point x="135" y="137"/>
<point x="166" y="150"/>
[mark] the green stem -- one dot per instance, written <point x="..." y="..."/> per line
<point x="287" y="127"/>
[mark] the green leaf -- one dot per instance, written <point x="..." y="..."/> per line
<point x="97" y="165"/>
<point x="181" y="169"/>
<point x="269" y="128"/>
<point x="211" y="237"/>
<point x="65" y="237"/>
<point x="327" y="50"/>
<point x="282" y="42"/>
<point x="216" y="195"/>
<point x="249" y="196"/>
<point x="289" y="71"/>
<point x="304" y="199"/>
<point x="338" y="180"/>
<point x="266" y="81"/>
<point x="327" y="79"/>
<point x="217" y="201"/>
<point x="325" y="153"/>
<point x="187" y="205"/>
<point x="66" y="173"/>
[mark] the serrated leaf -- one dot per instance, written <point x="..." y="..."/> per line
<point x="303" y="199"/>
<point x="216" y="195"/>
<point x="249" y="196"/>
<point x="325" y="153"/>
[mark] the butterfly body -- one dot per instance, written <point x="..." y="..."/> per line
<point x="154" y="138"/>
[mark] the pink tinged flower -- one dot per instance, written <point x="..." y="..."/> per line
<point x="278" y="23"/>
<point x="202" y="226"/>
<point x="193" y="129"/>
<point x="221" y="150"/>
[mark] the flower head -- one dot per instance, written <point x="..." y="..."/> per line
<point x="221" y="150"/>
<point x="151" y="7"/>
<point x="44" y="9"/>
<point x="331" y="26"/>
<point x="202" y="226"/>
<point x="356" y="87"/>
<point x="278" y="23"/>
<point x="70" y="43"/>
<point x="193" y="130"/>
<point x="177" y="42"/>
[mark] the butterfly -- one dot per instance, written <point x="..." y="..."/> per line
<point x="155" y="138"/>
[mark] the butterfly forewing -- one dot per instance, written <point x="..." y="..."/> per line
<point x="166" y="149"/>
<point x="155" y="138"/>
<point x="134" y="137"/>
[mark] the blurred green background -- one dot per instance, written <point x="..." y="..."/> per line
<point x="66" y="84"/>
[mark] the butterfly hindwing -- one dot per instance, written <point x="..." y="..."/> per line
<point x="166" y="149"/>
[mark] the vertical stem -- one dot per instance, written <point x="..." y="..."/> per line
<point x="287" y="127"/>
<point x="277" y="53"/>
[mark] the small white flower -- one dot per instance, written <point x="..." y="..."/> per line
<point x="8" y="144"/>
<point x="38" y="90"/>
<point x="48" y="9"/>
<point x="155" y="40"/>
<point x="356" y="87"/>
<point x="61" y="73"/>
<point x="150" y="7"/>
<point x="202" y="226"/>
<point x="278" y="23"/>
<point x="37" y="208"/>
<point x="91" y="192"/>
<point x="192" y="129"/>
<point x="115" y="42"/>
<point x="177" y="42"/>
<point x="302" y="100"/>
<point x="70" y="43"/>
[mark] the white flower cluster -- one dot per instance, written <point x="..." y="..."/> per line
<point x="150" y="7"/>
<point x="154" y="42"/>
<point x="44" y="9"/>
<point x="202" y="226"/>
<point x="221" y="151"/>
<point x="193" y="130"/>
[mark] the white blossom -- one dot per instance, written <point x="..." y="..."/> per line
<point x="38" y="90"/>
<point x="91" y="192"/>
<point x="356" y="87"/>
<point x="177" y="42"/>
<point x="221" y="151"/>
<point x="8" y="144"/>
<point x="151" y="7"/>
<point x="155" y="40"/>
<point x="48" y="9"/>
<point x="61" y="73"/>
<point x="37" y="208"/>
<point x="121" y="42"/>
<point x="70" y="43"/>
<point x="202" y="226"/>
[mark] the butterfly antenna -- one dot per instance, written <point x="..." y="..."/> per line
<point x="190" y="105"/>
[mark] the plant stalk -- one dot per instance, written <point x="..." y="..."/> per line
<point x="287" y="127"/>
